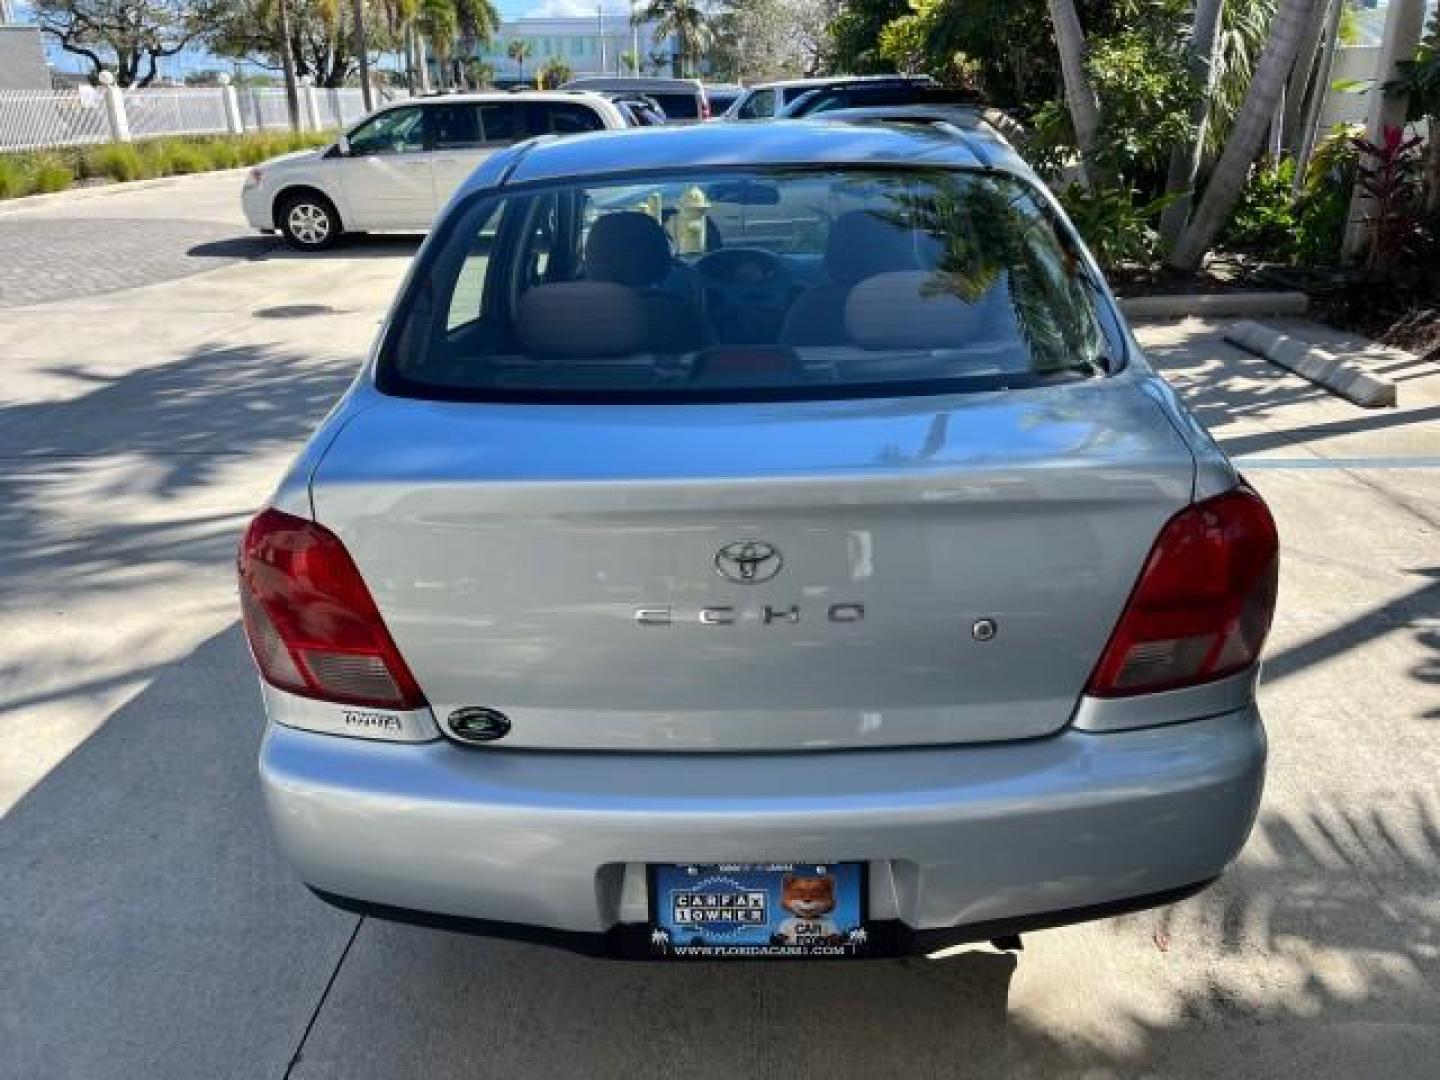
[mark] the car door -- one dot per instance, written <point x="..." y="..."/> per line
<point x="463" y="135"/>
<point x="386" y="172"/>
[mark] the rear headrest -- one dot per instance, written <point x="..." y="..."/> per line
<point x="863" y="244"/>
<point x="627" y="247"/>
<point x="580" y="320"/>
<point x="907" y="311"/>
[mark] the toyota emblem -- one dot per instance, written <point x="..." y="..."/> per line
<point x="748" y="561"/>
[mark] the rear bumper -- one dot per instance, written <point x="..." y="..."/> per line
<point x="956" y="837"/>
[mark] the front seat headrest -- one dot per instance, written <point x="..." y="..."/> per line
<point x="581" y="320"/>
<point x="906" y="310"/>
<point x="863" y="244"/>
<point x="628" y="248"/>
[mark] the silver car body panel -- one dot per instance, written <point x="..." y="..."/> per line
<point x="960" y="834"/>
<point x="512" y="550"/>
<point x="509" y="547"/>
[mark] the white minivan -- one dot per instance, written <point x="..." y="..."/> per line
<point x="396" y="168"/>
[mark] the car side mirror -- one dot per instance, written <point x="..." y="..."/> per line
<point x="342" y="146"/>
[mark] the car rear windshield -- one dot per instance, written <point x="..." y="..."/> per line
<point x="681" y="106"/>
<point x="731" y="285"/>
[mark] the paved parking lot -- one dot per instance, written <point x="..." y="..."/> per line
<point x="148" y="930"/>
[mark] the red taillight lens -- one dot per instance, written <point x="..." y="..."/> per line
<point x="1203" y="604"/>
<point x="312" y="625"/>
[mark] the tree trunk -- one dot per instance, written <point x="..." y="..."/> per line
<point x="287" y="60"/>
<point x="1301" y="78"/>
<point x="1080" y="96"/>
<point x="362" y="54"/>
<point x="1245" y="141"/>
<point x="1404" y="24"/>
<point x="1186" y="157"/>
<point x="1315" y="105"/>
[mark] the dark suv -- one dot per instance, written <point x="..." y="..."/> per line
<point x="869" y="93"/>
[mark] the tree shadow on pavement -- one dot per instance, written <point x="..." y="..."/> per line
<point x="152" y="438"/>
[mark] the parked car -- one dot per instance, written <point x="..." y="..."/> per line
<point x="721" y="96"/>
<point x="396" y="168"/>
<point x="683" y="100"/>
<point x="759" y="540"/>
<point x="964" y="116"/>
<point x="764" y="101"/>
<point x="639" y="110"/>
<point x="866" y="95"/>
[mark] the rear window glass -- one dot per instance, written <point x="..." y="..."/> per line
<point x="679" y="106"/>
<point x="563" y="118"/>
<point x="736" y="285"/>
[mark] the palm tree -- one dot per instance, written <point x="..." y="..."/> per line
<point x="553" y="74"/>
<point x="438" y="21"/>
<point x="686" y="22"/>
<point x="1080" y="96"/>
<point x="519" y="51"/>
<point x="1185" y="158"/>
<point x="479" y="21"/>
<point x="1248" y="135"/>
<point x="400" y="18"/>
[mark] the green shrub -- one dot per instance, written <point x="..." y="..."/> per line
<point x="183" y="158"/>
<point x="51" y="173"/>
<point x="1119" y="231"/>
<point x="154" y="158"/>
<point x="221" y="154"/>
<point x="116" y="161"/>
<point x="12" y="177"/>
<point x="1264" y="220"/>
<point x="1324" y="205"/>
<point x="26" y="173"/>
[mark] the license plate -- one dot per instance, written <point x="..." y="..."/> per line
<point x="714" y="911"/>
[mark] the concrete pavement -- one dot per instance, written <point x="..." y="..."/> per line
<point x="147" y="928"/>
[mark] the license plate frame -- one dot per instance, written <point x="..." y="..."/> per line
<point x="749" y="918"/>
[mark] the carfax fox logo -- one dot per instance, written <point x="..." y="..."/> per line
<point x="810" y="899"/>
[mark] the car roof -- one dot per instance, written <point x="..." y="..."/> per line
<point x="640" y="83"/>
<point x="495" y="95"/>
<point x="817" y="81"/>
<point x="922" y="112"/>
<point x="781" y="142"/>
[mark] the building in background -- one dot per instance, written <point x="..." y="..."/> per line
<point x="22" y="56"/>
<point x="589" y="45"/>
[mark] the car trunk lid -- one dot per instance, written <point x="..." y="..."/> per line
<point x="764" y="576"/>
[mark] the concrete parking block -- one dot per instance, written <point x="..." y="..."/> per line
<point x="1340" y="373"/>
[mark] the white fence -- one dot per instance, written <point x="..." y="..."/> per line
<point x="175" y="112"/>
<point x="40" y="119"/>
<point x="81" y="116"/>
<point x="265" y="110"/>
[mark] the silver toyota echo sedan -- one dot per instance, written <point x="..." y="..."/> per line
<point x="759" y="540"/>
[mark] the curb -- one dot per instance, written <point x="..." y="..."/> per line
<point x="1336" y="372"/>
<point x="1203" y="304"/>
<point x="91" y="191"/>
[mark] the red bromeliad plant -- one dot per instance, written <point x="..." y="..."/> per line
<point x="1390" y="176"/>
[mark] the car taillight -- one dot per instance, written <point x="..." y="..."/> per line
<point x="1203" y="604"/>
<point x="313" y="628"/>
